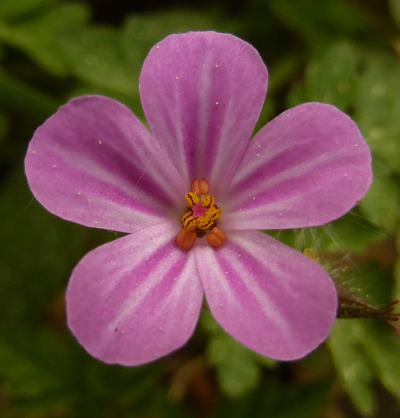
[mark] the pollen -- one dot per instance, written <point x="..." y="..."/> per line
<point x="192" y="199"/>
<point x="200" y="218"/>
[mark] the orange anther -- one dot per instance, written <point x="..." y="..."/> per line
<point x="216" y="237"/>
<point x="185" y="239"/>
<point x="200" y="186"/>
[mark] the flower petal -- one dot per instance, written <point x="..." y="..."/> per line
<point x="202" y="93"/>
<point x="93" y="162"/>
<point x="268" y="296"/>
<point x="307" y="167"/>
<point x="135" y="299"/>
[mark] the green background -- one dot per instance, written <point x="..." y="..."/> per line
<point x="345" y="52"/>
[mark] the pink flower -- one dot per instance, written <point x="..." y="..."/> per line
<point x="139" y="297"/>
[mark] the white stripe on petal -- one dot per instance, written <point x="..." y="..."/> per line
<point x="266" y="295"/>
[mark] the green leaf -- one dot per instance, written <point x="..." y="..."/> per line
<point x="352" y="365"/>
<point x="371" y="283"/>
<point x="96" y="56"/>
<point x="238" y="368"/>
<point x="381" y="205"/>
<point x="109" y="60"/>
<point x="4" y="124"/>
<point x="11" y="9"/>
<point x="377" y="108"/>
<point x="353" y="233"/>
<point x="25" y="99"/>
<point x="39" y="37"/>
<point x="383" y="347"/>
<point x="321" y="21"/>
<point x="396" y="288"/>
<point x="331" y="77"/>
<point x="35" y="371"/>
<point x="49" y="248"/>
<point x="395" y="10"/>
<point x="142" y="32"/>
<point x="278" y="398"/>
<point x="297" y="95"/>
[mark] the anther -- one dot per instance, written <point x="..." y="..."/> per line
<point x="185" y="239"/>
<point x="208" y="201"/>
<point x="188" y="221"/>
<point x="200" y="186"/>
<point x="192" y="199"/>
<point x="216" y="237"/>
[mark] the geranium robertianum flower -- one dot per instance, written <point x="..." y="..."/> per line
<point x="192" y="195"/>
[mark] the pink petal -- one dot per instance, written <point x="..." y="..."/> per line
<point x="93" y="162"/>
<point x="202" y="93"/>
<point x="307" y="167"/>
<point x="268" y="296"/>
<point x="135" y="299"/>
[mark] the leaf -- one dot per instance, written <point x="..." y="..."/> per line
<point x="238" y="368"/>
<point x="110" y="60"/>
<point x="352" y="233"/>
<point x="24" y="99"/>
<point x="331" y="77"/>
<point x="394" y="6"/>
<point x="39" y="36"/>
<point x="37" y="257"/>
<point x="377" y="109"/>
<point x="297" y="95"/>
<point x="4" y="124"/>
<point x="320" y="21"/>
<point x="396" y="288"/>
<point x="383" y="347"/>
<point x="381" y="205"/>
<point x="278" y="398"/>
<point x="36" y="371"/>
<point x="96" y="56"/>
<point x="371" y="283"/>
<point x="141" y="32"/>
<point x="352" y="365"/>
<point x="11" y="9"/>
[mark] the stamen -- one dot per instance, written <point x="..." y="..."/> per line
<point x="185" y="239"/>
<point x="200" y="186"/>
<point x="188" y="221"/>
<point x="208" y="201"/>
<point x="192" y="199"/>
<point x="216" y="237"/>
<point x="201" y="217"/>
<point x="204" y="223"/>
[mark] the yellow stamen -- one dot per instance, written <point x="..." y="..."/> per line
<point x="191" y="199"/>
<point x="188" y="222"/>
<point x="201" y="218"/>
<point x="208" y="201"/>
<point x="204" y="223"/>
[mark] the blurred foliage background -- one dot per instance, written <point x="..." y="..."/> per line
<point x="345" y="52"/>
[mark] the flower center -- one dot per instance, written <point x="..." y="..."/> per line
<point x="201" y="217"/>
